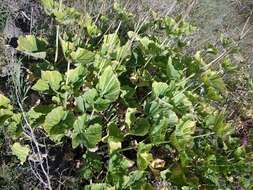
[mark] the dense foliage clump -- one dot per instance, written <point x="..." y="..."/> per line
<point x="142" y="112"/>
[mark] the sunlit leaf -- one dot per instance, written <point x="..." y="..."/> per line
<point x="82" y="56"/>
<point x="144" y="158"/>
<point x="41" y="86"/>
<point x="109" y="85"/>
<point x="32" y="45"/>
<point x="20" y="151"/>
<point x="53" y="78"/>
<point x="4" y="101"/>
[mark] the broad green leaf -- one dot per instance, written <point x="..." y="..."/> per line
<point x="67" y="48"/>
<point x="34" y="117"/>
<point x="54" y="118"/>
<point x="172" y="73"/>
<point x="159" y="130"/>
<point x="77" y="74"/>
<point x="32" y="45"/>
<point x="92" y="165"/>
<point x="141" y="127"/>
<point x="181" y="138"/>
<point x="110" y="44"/>
<point x="93" y="135"/>
<point x="86" y="135"/>
<point x="115" y="137"/>
<point x="135" y="180"/>
<point x="109" y="85"/>
<point x="88" y="100"/>
<point x="228" y="66"/>
<point x="117" y="169"/>
<point x="41" y="86"/>
<point x="214" y="82"/>
<point x="4" y="101"/>
<point x="27" y="43"/>
<point x="115" y="133"/>
<point x="122" y="12"/>
<point x="219" y="126"/>
<point x="80" y="126"/>
<point x="90" y="96"/>
<point x="5" y="114"/>
<point x="160" y="89"/>
<point x="81" y="123"/>
<point x="101" y="104"/>
<point x="82" y="56"/>
<point x="144" y="158"/>
<point x="20" y="151"/>
<point x="124" y="51"/>
<point x="213" y="94"/>
<point x="129" y="96"/>
<point x="53" y="78"/>
<point x="90" y="26"/>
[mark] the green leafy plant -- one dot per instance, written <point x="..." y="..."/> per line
<point x="134" y="94"/>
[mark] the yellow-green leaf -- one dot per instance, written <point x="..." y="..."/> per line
<point x="109" y="85"/>
<point x="20" y="151"/>
<point x="40" y="86"/>
<point x="53" y="78"/>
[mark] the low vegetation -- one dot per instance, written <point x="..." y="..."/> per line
<point x="125" y="107"/>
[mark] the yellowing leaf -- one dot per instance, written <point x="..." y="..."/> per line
<point x="160" y="89"/>
<point x="4" y="102"/>
<point x="20" y="151"/>
<point x="41" y="86"/>
<point x="75" y="75"/>
<point x="27" y="43"/>
<point x="53" y="78"/>
<point x="83" y="56"/>
<point x="32" y="46"/>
